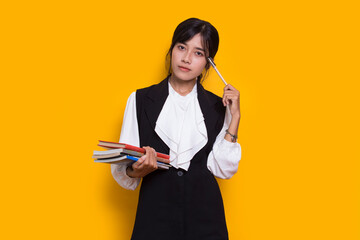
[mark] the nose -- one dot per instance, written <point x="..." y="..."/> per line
<point x="186" y="58"/>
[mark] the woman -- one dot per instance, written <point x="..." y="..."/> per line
<point x="197" y="129"/>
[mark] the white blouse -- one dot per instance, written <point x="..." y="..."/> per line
<point x="182" y="127"/>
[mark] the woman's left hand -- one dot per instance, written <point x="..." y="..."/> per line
<point x="231" y="98"/>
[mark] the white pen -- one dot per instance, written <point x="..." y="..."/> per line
<point x="213" y="65"/>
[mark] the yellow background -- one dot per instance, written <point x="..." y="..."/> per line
<point x="68" y="67"/>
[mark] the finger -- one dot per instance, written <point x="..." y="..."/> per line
<point x="227" y="87"/>
<point x="232" y="91"/>
<point x="230" y="88"/>
<point x="153" y="158"/>
<point x="233" y="103"/>
<point x="147" y="154"/>
<point x="150" y="162"/>
<point x="232" y="97"/>
<point x="139" y="162"/>
<point x="232" y="94"/>
<point x="224" y="100"/>
<point x="227" y="98"/>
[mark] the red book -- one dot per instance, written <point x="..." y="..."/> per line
<point x="110" y="145"/>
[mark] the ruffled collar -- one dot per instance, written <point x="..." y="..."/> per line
<point x="181" y="127"/>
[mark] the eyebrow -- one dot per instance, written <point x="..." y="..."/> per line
<point x="201" y="49"/>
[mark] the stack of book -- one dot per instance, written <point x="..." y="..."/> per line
<point x="120" y="153"/>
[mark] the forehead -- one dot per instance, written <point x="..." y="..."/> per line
<point x="196" y="41"/>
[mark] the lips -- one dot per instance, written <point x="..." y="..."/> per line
<point x="184" y="69"/>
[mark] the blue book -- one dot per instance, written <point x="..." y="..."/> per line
<point x="128" y="159"/>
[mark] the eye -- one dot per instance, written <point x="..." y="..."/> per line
<point x="199" y="53"/>
<point x="181" y="47"/>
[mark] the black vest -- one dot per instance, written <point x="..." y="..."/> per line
<point x="175" y="204"/>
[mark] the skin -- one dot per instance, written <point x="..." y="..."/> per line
<point x="187" y="62"/>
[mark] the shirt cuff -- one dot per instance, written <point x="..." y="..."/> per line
<point x="119" y="173"/>
<point x="224" y="159"/>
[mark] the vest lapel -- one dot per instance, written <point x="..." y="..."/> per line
<point x="156" y="98"/>
<point x="211" y="114"/>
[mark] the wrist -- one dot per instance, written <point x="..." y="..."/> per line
<point x="232" y="135"/>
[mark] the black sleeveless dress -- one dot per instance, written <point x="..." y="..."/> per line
<point x="175" y="204"/>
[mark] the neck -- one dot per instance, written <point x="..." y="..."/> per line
<point x="182" y="87"/>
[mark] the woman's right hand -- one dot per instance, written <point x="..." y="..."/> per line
<point x="144" y="165"/>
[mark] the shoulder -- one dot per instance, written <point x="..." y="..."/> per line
<point x="146" y="89"/>
<point x="154" y="91"/>
<point x="131" y="99"/>
<point x="154" y="86"/>
<point x="213" y="96"/>
<point x="209" y="97"/>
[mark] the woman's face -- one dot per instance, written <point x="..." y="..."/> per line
<point x="188" y="59"/>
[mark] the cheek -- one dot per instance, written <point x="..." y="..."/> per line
<point x="201" y="63"/>
<point x="173" y="60"/>
<point x="175" y="55"/>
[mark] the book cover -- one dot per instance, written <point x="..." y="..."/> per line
<point x="112" y="145"/>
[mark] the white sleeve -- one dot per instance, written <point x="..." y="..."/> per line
<point x="224" y="158"/>
<point x="129" y="135"/>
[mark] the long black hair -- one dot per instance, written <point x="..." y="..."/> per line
<point x="187" y="30"/>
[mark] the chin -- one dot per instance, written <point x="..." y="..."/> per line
<point x="184" y="77"/>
